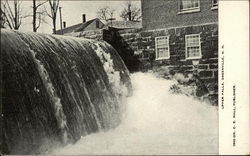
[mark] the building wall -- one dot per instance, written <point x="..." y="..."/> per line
<point x="164" y="14"/>
<point x="140" y="45"/>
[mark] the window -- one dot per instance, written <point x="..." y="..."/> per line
<point x="162" y="47"/>
<point x="97" y="24"/>
<point x="189" y="5"/>
<point x="193" y="46"/>
<point x="214" y="3"/>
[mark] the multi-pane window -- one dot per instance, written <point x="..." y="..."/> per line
<point x="189" y="5"/>
<point x="162" y="47"/>
<point x="193" y="46"/>
<point x="214" y="3"/>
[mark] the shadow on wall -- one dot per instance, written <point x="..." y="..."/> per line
<point x="127" y="54"/>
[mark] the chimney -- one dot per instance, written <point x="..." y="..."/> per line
<point x="129" y="16"/>
<point x="83" y="18"/>
<point x="64" y="24"/>
<point x="129" y="11"/>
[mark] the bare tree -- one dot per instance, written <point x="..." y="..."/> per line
<point x="131" y="12"/>
<point x="39" y="12"/>
<point x="11" y="13"/>
<point x="2" y="19"/>
<point x="54" y="5"/>
<point x="105" y="13"/>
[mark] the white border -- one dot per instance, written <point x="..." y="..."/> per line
<point x="234" y="77"/>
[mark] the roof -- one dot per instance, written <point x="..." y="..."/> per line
<point x="77" y="28"/>
<point x="115" y="24"/>
<point x="124" y="24"/>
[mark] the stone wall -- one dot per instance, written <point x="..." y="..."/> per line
<point x="124" y="41"/>
<point x="92" y="34"/>
<point x="140" y="45"/>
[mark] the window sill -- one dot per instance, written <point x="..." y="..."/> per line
<point x="193" y="58"/>
<point x="214" y="8"/>
<point x="162" y="58"/>
<point x="189" y="11"/>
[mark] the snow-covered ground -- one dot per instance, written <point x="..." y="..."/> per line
<point x="155" y="122"/>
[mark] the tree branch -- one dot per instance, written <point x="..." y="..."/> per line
<point x="9" y="10"/>
<point x="40" y="4"/>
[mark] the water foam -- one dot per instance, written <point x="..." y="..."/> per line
<point x="155" y="122"/>
<point x="108" y="65"/>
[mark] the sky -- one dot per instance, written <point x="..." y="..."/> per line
<point x="72" y="12"/>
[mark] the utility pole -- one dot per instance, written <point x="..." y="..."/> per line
<point x="61" y="19"/>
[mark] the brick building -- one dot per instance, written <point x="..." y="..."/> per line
<point x="174" y="33"/>
<point x="177" y="13"/>
<point x="179" y="35"/>
<point x="181" y="30"/>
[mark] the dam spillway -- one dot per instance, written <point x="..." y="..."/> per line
<point x="56" y="89"/>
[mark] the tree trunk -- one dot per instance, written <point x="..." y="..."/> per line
<point x="15" y="16"/>
<point x="54" y="25"/>
<point x="34" y="16"/>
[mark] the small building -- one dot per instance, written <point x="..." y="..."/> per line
<point x="91" y="25"/>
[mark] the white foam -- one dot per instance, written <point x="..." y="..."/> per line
<point x="155" y="122"/>
<point x="108" y="65"/>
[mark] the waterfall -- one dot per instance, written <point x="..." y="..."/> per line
<point x="66" y="95"/>
<point x="57" y="89"/>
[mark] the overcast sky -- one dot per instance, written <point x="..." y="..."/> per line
<point x="72" y="12"/>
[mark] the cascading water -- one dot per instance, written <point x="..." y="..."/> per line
<point x="64" y="95"/>
<point x="155" y="122"/>
<point x="59" y="114"/>
<point x="57" y="89"/>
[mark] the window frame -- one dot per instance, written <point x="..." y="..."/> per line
<point x="186" y="47"/>
<point x="188" y="10"/>
<point x="156" y="48"/>
<point x="214" y="6"/>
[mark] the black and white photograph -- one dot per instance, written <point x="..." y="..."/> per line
<point x="116" y="77"/>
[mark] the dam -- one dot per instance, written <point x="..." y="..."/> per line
<point x="57" y="89"/>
